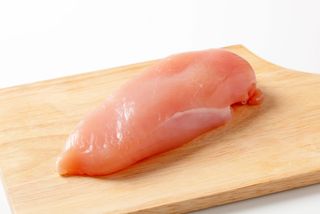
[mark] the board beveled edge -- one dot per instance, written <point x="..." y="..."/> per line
<point x="236" y="195"/>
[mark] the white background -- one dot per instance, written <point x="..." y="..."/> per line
<point x="47" y="39"/>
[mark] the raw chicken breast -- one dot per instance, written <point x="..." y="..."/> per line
<point x="171" y="103"/>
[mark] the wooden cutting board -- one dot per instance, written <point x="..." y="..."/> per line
<point x="265" y="149"/>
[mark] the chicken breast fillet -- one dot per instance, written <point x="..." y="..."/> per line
<point x="169" y="104"/>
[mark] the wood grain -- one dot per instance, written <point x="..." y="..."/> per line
<point x="265" y="149"/>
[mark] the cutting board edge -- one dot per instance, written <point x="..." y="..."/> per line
<point x="6" y="192"/>
<point x="236" y="195"/>
<point x="266" y="62"/>
<point x="78" y="75"/>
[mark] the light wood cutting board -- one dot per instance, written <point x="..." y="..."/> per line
<point x="265" y="149"/>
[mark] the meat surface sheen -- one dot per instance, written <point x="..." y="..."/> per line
<point x="169" y="104"/>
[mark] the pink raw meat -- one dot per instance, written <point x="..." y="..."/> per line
<point x="169" y="104"/>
